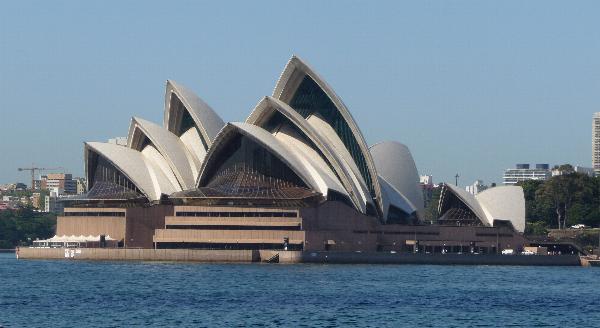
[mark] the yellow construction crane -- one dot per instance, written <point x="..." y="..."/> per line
<point x="33" y="169"/>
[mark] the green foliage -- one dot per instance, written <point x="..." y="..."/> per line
<point x="17" y="193"/>
<point x="536" y="228"/>
<point x="431" y="206"/>
<point x="22" y="226"/>
<point x="588" y="238"/>
<point x="564" y="200"/>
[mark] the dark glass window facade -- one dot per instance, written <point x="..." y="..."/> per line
<point x="336" y="196"/>
<point x="398" y="216"/>
<point x="242" y="155"/>
<point x="277" y="120"/>
<point x="178" y="110"/>
<point x="145" y="142"/>
<point x="453" y="211"/>
<point x="104" y="172"/>
<point x="310" y="99"/>
<point x="239" y="214"/>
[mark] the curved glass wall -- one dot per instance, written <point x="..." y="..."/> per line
<point x="185" y="120"/>
<point x="277" y="120"/>
<point x="105" y="173"/>
<point x="310" y="99"/>
<point x="243" y="157"/>
<point x="453" y="211"/>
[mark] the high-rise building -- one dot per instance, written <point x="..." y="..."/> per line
<point x="523" y="172"/>
<point x="596" y="143"/>
<point x="63" y="182"/>
<point x="35" y="200"/>
<point x="476" y="187"/>
<point x="52" y="202"/>
<point x="81" y="186"/>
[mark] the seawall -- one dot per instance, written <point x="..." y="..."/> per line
<point x="441" y="259"/>
<point x="132" y="254"/>
<point x="129" y="254"/>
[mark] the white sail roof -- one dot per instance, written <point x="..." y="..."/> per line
<point x="312" y="175"/>
<point x="295" y="72"/>
<point x="396" y="166"/>
<point x="173" y="150"/>
<point x="145" y="174"/>
<point x="504" y="203"/>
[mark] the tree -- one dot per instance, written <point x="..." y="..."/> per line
<point x="20" y="227"/>
<point x="536" y="228"/>
<point x="562" y="192"/>
<point x="431" y="207"/>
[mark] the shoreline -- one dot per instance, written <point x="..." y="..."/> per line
<point x="274" y="256"/>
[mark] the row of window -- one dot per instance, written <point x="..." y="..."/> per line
<point x="121" y="214"/>
<point x="486" y="234"/>
<point x="239" y="214"/>
<point x="231" y="227"/>
<point x="412" y="233"/>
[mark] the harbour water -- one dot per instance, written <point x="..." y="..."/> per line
<point x="36" y="293"/>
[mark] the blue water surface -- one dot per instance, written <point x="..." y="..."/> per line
<point x="35" y="293"/>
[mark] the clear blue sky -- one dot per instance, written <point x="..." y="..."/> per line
<point x="470" y="86"/>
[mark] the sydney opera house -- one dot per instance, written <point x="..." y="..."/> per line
<point x="297" y="174"/>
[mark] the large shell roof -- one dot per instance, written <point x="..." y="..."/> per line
<point x="149" y="179"/>
<point x="147" y="170"/>
<point x="396" y="166"/>
<point x="287" y="85"/>
<point x="268" y="106"/>
<point x="313" y="176"/>
<point x="503" y="203"/>
<point x="171" y="147"/>
<point x="321" y="142"/>
<point x="208" y="122"/>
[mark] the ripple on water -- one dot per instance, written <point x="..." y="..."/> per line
<point x="114" y="294"/>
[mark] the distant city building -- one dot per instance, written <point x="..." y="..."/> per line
<point x="53" y="204"/>
<point x="13" y="186"/>
<point x="578" y="169"/>
<point x="62" y="181"/>
<point x="426" y="180"/>
<point x="596" y="143"/>
<point x="24" y="200"/>
<point x="476" y="187"/>
<point x="523" y="172"/>
<point x="427" y="186"/>
<point x="37" y="184"/>
<point x="4" y="206"/>
<point x="584" y="170"/>
<point x="35" y="200"/>
<point x="81" y="186"/>
<point x="120" y="141"/>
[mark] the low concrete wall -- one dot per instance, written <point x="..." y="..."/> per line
<point x="117" y="254"/>
<point x="284" y="256"/>
<point x="443" y="259"/>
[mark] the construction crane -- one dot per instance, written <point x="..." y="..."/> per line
<point x="33" y="169"/>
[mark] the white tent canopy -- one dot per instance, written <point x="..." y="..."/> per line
<point x="75" y="239"/>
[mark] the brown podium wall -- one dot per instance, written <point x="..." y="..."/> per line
<point x="91" y="225"/>
<point x="141" y="223"/>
